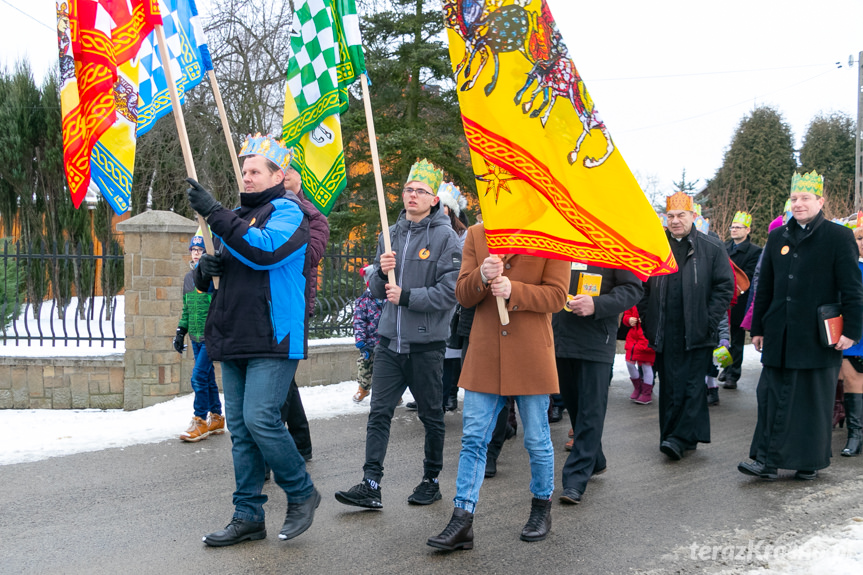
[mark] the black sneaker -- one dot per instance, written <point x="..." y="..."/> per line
<point x="238" y="530"/>
<point x="361" y="495"/>
<point x="426" y="493"/>
<point x="411" y="406"/>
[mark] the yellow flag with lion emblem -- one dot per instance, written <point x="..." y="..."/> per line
<point x="550" y="181"/>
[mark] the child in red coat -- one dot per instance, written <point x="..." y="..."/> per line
<point x="639" y="359"/>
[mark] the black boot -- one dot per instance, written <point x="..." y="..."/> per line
<point x="458" y="534"/>
<point x="712" y="396"/>
<point x="539" y="523"/>
<point x="853" y="416"/>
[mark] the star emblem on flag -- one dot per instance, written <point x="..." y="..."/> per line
<point x="497" y="179"/>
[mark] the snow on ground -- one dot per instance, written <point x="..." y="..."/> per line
<point x="33" y="435"/>
<point x="836" y="550"/>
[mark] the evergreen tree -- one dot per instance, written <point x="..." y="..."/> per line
<point x="52" y="186"/>
<point x="683" y="185"/>
<point x="755" y="175"/>
<point x="416" y="114"/>
<point x="828" y="147"/>
<point x="22" y="134"/>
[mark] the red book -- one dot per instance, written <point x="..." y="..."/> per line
<point x="833" y="328"/>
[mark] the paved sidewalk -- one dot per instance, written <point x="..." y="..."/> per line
<point x="143" y="509"/>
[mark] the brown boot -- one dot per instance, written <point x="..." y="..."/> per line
<point x="197" y="431"/>
<point x="457" y="535"/>
<point x="216" y="424"/>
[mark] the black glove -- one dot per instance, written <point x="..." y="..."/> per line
<point x="201" y="200"/>
<point x="179" y="339"/>
<point x="211" y="265"/>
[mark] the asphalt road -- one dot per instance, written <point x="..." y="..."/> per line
<point x="143" y="509"/>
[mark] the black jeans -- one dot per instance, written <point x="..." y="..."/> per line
<point x="451" y="374"/>
<point x="393" y="373"/>
<point x="584" y="387"/>
<point x="294" y="416"/>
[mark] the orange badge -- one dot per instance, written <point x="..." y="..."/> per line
<point x="424" y="254"/>
<point x="252" y="222"/>
<point x="784" y="250"/>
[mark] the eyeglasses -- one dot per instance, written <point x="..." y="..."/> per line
<point x="417" y="191"/>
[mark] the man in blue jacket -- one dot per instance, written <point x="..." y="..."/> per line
<point x="257" y="328"/>
<point x="413" y="328"/>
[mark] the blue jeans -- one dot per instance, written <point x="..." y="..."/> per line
<point x="479" y="418"/>
<point x="204" y="383"/>
<point x="255" y="390"/>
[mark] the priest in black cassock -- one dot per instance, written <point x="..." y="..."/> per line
<point x="807" y="263"/>
<point x="680" y="315"/>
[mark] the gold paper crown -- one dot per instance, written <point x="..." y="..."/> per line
<point x="810" y="183"/>
<point x="425" y="172"/>
<point x="679" y="201"/>
<point x="268" y="147"/>
<point x="743" y="219"/>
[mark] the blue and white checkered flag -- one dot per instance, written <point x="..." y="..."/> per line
<point x="190" y="59"/>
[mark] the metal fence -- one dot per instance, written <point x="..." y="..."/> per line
<point x="339" y="284"/>
<point x="60" y="295"/>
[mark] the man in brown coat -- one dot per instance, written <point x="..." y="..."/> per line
<point x="511" y="360"/>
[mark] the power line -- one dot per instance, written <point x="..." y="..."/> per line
<point x="715" y="73"/>
<point x="724" y="107"/>
<point x="29" y="16"/>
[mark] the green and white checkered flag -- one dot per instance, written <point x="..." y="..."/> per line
<point x="314" y="129"/>
<point x="352" y="63"/>
<point x="313" y="86"/>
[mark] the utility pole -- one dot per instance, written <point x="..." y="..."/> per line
<point x="858" y="156"/>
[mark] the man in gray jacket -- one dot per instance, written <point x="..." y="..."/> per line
<point x="413" y="328"/>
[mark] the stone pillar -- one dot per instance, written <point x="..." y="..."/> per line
<point x="156" y="260"/>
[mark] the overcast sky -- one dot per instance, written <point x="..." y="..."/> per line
<point x="671" y="79"/>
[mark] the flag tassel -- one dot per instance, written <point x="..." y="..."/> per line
<point x="226" y="128"/>
<point x="184" y="136"/>
<point x="376" y="165"/>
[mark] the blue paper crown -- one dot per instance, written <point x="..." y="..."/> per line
<point x="268" y="147"/>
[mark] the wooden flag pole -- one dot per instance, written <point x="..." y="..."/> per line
<point x="226" y="128"/>
<point x="501" y="311"/>
<point x="376" y="165"/>
<point x="184" y="137"/>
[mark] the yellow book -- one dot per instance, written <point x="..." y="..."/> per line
<point x="589" y="284"/>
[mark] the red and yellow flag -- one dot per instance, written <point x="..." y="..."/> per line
<point x="95" y="38"/>
<point x="550" y="180"/>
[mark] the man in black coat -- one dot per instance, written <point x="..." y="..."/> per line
<point x="680" y="316"/>
<point x="807" y="263"/>
<point x="745" y="255"/>
<point x="585" y="338"/>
